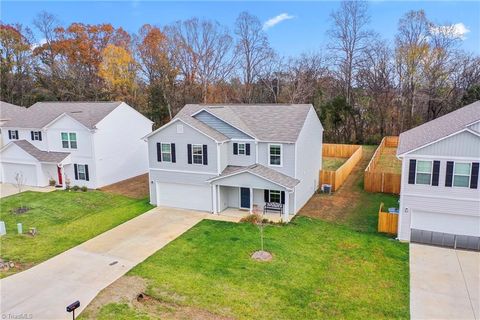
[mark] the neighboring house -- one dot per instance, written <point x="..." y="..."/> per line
<point x="213" y="157"/>
<point x="91" y="144"/>
<point x="440" y="196"/>
<point x="8" y="112"/>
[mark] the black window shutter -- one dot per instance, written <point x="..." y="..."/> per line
<point x="449" y="174"/>
<point x="10" y="134"/>
<point x="266" y="195"/>
<point x="411" y="171"/>
<point x="86" y="173"/>
<point x="474" y="176"/>
<point x="31" y="134"/>
<point x="174" y="155"/>
<point x="75" y="169"/>
<point x="189" y="153"/>
<point x="40" y="135"/>
<point x="436" y="172"/>
<point x="16" y="134"/>
<point x="235" y="148"/>
<point x="159" y="151"/>
<point x="247" y="149"/>
<point x="205" y="155"/>
<point x="283" y="197"/>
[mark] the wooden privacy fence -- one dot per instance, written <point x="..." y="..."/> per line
<point x="387" y="222"/>
<point x="374" y="180"/>
<point x="337" y="178"/>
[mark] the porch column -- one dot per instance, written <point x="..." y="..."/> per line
<point x="217" y="190"/>
<point x="62" y="171"/>
<point x="286" y="207"/>
<point x="214" y="198"/>
<point x="251" y="200"/>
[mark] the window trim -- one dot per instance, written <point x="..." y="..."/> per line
<point x="84" y="172"/>
<point x="169" y="152"/>
<point x="279" y="196"/>
<point x="201" y="153"/>
<point x="270" y="155"/>
<point x="244" y="148"/>
<point x="431" y="172"/>
<point x="463" y="175"/>
<point x="69" y="141"/>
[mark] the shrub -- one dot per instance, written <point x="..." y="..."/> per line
<point x="84" y="189"/>
<point x="252" y="218"/>
<point x="75" y="188"/>
<point x="52" y="182"/>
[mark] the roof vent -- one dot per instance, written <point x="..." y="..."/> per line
<point x="79" y="111"/>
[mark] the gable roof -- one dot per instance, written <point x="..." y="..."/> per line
<point x="439" y="128"/>
<point x="266" y="122"/>
<point x="42" y="113"/>
<point x="261" y="171"/>
<point x="42" y="156"/>
<point x="10" y="111"/>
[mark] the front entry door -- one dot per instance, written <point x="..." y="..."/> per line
<point x="245" y="198"/>
<point x="59" y="173"/>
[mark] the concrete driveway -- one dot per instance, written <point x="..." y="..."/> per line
<point x="444" y="283"/>
<point x="44" y="291"/>
<point x="8" y="189"/>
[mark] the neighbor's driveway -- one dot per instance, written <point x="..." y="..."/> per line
<point x="444" y="283"/>
<point x="8" y="189"/>
<point x="81" y="272"/>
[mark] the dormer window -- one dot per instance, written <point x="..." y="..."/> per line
<point x="69" y="140"/>
<point x="275" y="154"/>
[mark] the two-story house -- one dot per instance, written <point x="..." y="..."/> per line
<point x="213" y="157"/>
<point x="90" y="144"/>
<point x="8" y="111"/>
<point x="440" y="197"/>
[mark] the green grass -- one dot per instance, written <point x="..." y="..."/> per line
<point x="63" y="220"/>
<point x="332" y="163"/>
<point x="388" y="161"/>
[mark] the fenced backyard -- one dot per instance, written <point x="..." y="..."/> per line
<point x="383" y="173"/>
<point x="338" y="162"/>
<point x="387" y="221"/>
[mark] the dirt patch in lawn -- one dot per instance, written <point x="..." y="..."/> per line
<point x="131" y="290"/>
<point x="136" y="187"/>
<point x="336" y="207"/>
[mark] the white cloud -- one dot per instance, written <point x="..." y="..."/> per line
<point x="39" y="43"/>
<point x="276" y="20"/>
<point x="457" y="30"/>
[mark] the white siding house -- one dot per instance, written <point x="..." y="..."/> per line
<point x="440" y="197"/>
<point x="90" y="144"/>
<point x="214" y="157"/>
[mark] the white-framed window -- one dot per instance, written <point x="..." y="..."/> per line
<point x="241" y="148"/>
<point x="275" y="154"/>
<point x="166" y="152"/>
<point x="275" y="196"/>
<point x="461" y="174"/>
<point x="197" y="154"/>
<point x="82" y="172"/>
<point x="424" y="172"/>
<point x="36" y="135"/>
<point x="69" y="140"/>
<point x="13" y="134"/>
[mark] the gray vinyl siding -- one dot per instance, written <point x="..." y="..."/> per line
<point x="288" y="157"/>
<point x="475" y="127"/>
<point x="241" y="159"/>
<point x="221" y="126"/>
<point x="309" y="159"/>
<point x="464" y="144"/>
<point x="247" y="180"/>
<point x="189" y="136"/>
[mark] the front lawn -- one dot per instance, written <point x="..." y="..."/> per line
<point x="63" y="220"/>
<point x="320" y="270"/>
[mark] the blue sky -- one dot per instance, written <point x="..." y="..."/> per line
<point x="303" y="30"/>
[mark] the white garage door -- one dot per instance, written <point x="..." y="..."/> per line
<point x="29" y="172"/>
<point x="184" y="196"/>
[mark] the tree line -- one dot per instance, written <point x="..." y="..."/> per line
<point x="362" y="86"/>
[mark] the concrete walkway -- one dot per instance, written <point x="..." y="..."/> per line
<point x="444" y="283"/>
<point x="8" y="189"/>
<point x="80" y="273"/>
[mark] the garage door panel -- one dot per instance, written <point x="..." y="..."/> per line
<point x="29" y="172"/>
<point x="184" y="196"/>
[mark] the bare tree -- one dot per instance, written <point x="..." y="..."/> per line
<point x="20" y="181"/>
<point x="253" y="51"/>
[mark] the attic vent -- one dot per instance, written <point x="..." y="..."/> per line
<point x="76" y="111"/>
<point x="216" y="107"/>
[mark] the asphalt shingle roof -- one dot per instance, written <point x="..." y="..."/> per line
<point x="42" y="156"/>
<point x="42" y="113"/>
<point x="10" y="111"/>
<point x="263" y="172"/>
<point x="266" y="122"/>
<point x="438" y="128"/>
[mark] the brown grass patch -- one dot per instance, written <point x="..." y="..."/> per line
<point x="136" y="187"/>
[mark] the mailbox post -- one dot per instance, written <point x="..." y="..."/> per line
<point x="72" y="307"/>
